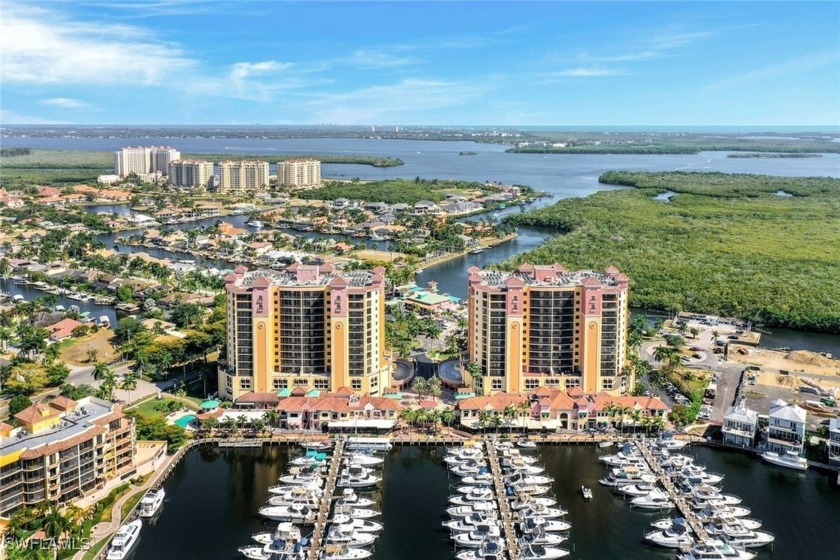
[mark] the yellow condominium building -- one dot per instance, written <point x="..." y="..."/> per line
<point x="547" y="326"/>
<point x="243" y="176"/>
<point x="63" y="449"/>
<point x="299" y="173"/>
<point x="190" y="173"/>
<point x="308" y="326"/>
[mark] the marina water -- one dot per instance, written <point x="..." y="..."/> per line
<point x="213" y="496"/>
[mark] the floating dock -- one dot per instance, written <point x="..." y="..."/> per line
<point x="326" y="501"/>
<point x="501" y="496"/>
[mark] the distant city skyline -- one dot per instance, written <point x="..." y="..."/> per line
<point x="190" y="62"/>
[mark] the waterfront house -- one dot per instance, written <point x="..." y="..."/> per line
<point x="834" y="442"/>
<point x="335" y="411"/>
<point x="786" y="428"/>
<point x="426" y="207"/>
<point x="740" y="425"/>
<point x="63" y="329"/>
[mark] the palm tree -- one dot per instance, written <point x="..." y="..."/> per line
<point x="5" y="337"/>
<point x="484" y="418"/>
<point x="271" y="417"/>
<point x="100" y="371"/>
<point x="663" y="353"/>
<point x="448" y="416"/>
<point x="496" y="421"/>
<point x="129" y="383"/>
<point x="55" y="523"/>
<point x="107" y="385"/>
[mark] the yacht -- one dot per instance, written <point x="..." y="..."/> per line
<point x="255" y="224"/>
<point x="539" y="552"/>
<point x="352" y="481"/>
<point x="655" y="500"/>
<point x="317" y="445"/>
<point x="535" y="524"/>
<point x="356" y="512"/>
<point x="462" y="454"/>
<point x="483" y="477"/>
<point x="527" y="488"/>
<point x="638" y="489"/>
<point x="350" y="498"/>
<point x="477" y="251"/>
<point x="540" y="537"/>
<point x="468" y="469"/>
<point x="605" y="445"/>
<point x="312" y="457"/>
<point x="296" y="493"/>
<point x="627" y="475"/>
<point x="311" y="500"/>
<point x="363" y="459"/>
<point x="525" y="443"/>
<point x="715" y="549"/>
<point x="297" y="513"/>
<point x="470" y="522"/>
<point x="587" y="492"/>
<point x="475" y="495"/>
<point x="519" y="478"/>
<point x="469" y="488"/>
<point x="487" y="551"/>
<point x="738" y="535"/>
<point x="541" y="511"/>
<point x="349" y="537"/>
<point x="152" y="502"/>
<point x="461" y="511"/>
<point x="723" y="513"/>
<point x="285" y="531"/>
<point x="124" y="539"/>
<point x="787" y="459"/>
<point x="675" y="535"/>
<point x="358" y="524"/>
<point x="285" y="488"/>
<point x="716" y="526"/>
<point x="526" y="501"/>
<point x="667" y="441"/>
<point x="481" y="533"/>
<point x="345" y="553"/>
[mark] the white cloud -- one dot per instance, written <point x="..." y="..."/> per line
<point x="379" y="59"/>
<point x="584" y="72"/>
<point x="42" y="47"/>
<point x="242" y="70"/>
<point x="789" y="67"/>
<point x="65" y="103"/>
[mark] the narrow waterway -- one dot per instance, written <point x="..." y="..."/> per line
<point x="213" y="497"/>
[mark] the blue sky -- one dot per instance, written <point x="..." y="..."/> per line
<point x="445" y="63"/>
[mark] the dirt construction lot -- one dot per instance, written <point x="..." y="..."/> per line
<point x="75" y="350"/>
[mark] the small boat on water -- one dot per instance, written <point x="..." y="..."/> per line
<point x="525" y="443"/>
<point x="255" y="224"/>
<point x="358" y="524"/>
<point x="715" y="549"/>
<point x="286" y="531"/>
<point x="787" y="459"/>
<point x="605" y="445"/>
<point x="587" y="492"/>
<point x="151" y="502"/>
<point x="317" y="445"/>
<point x="340" y="552"/>
<point x="124" y="539"/>
<point x="477" y="251"/>
<point x="540" y="552"/>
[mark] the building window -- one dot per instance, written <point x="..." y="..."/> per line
<point x="281" y="384"/>
<point x="607" y="383"/>
<point x="374" y="382"/>
<point x="301" y="381"/>
<point x="322" y="384"/>
<point x="356" y="384"/>
<point x="497" y="385"/>
<point x="572" y="383"/>
<point x="229" y="382"/>
<point x="245" y="383"/>
<point x="532" y="383"/>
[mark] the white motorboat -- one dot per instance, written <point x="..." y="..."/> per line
<point x="526" y="501"/>
<point x="627" y="475"/>
<point x="667" y="460"/>
<point x="506" y="456"/>
<point x="540" y="552"/>
<point x="527" y="488"/>
<point x="303" y="477"/>
<point x="349" y="537"/>
<point x="479" y="479"/>
<point x="286" y="531"/>
<point x="527" y="479"/>
<point x="295" y="493"/>
<point x="312" y="457"/>
<point x="468" y="488"/>
<point x="517" y="465"/>
<point x="350" y="498"/>
<point x="536" y="510"/>
<point x="314" y="486"/>
<point x="535" y="524"/>
<point x="255" y="224"/>
<point x="655" y="500"/>
<point x="710" y="493"/>
<point x="586" y="492"/>
<point x="349" y="481"/>
<point x="701" y="478"/>
<point x="788" y="459"/>
<point x="715" y="526"/>
<point x="477" y="494"/>
<point x="470" y="522"/>
<point x="151" y="502"/>
<point x="358" y="524"/>
<point x="638" y="489"/>
<point x="740" y="536"/>
<point x="487" y="551"/>
<point x="715" y="549"/>
<point x="459" y="512"/>
<point x="540" y="537"/>
<point x="707" y="515"/>
<point x="295" y="512"/>
<point x="460" y="454"/>
<point x="526" y="444"/>
<point x="667" y="441"/>
<point x="356" y="512"/>
<point x="481" y="533"/>
<point x="363" y="459"/>
<point x="670" y="538"/>
<point x="311" y="501"/>
<point x="317" y="445"/>
<point x="344" y="553"/>
<point x="605" y="445"/>
<point x="468" y="469"/>
<point x="124" y="539"/>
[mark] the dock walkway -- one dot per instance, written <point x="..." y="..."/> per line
<point x="504" y="505"/>
<point x="668" y="484"/>
<point x="326" y="501"/>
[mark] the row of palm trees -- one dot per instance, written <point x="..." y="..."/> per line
<point x="108" y="381"/>
<point x="53" y="521"/>
<point x="423" y="417"/>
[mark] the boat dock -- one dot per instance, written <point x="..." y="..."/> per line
<point x="326" y="501"/>
<point x="504" y="505"/>
<point x="668" y="484"/>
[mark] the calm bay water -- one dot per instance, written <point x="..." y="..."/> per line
<point x="213" y="498"/>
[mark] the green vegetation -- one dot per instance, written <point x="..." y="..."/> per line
<point x="394" y="191"/>
<point x="13" y="152"/>
<point x="725" y="244"/>
<point x="772" y="156"/>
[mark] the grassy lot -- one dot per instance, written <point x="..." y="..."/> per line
<point x="725" y="244"/>
<point x="130" y="503"/>
<point x="94" y="551"/>
<point x="75" y="350"/>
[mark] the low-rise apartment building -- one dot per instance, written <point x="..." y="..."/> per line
<point x="786" y="428"/>
<point x="740" y="425"/>
<point x="63" y="449"/>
